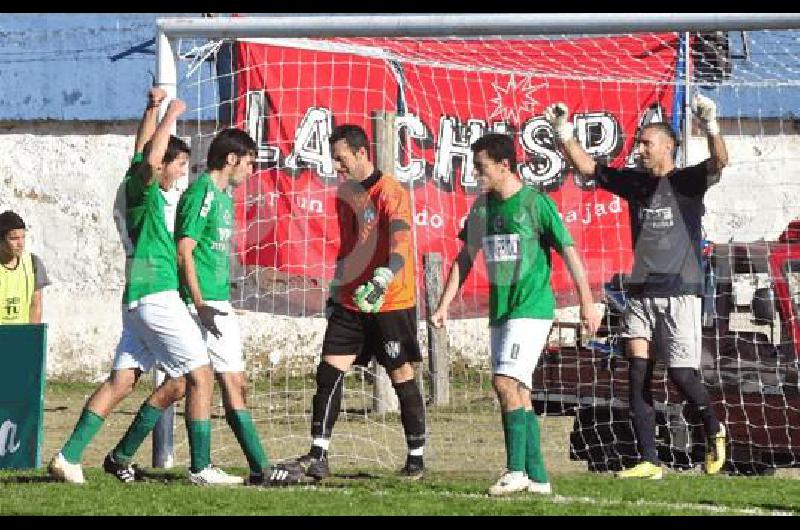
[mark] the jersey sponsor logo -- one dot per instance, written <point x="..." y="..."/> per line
<point x="514" y="351"/>
<point x="227" y="218"/>
<point x="392" y="348"/>
<point x="657" y="218"/>
<point x="502" y="247"/>
<point x="207" y="204"/>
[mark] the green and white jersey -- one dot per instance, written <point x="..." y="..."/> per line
<point x="153" y="260"/>
<point x="516" y="235"/>
<point x="205" y="214"/>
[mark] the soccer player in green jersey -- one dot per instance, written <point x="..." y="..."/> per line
<point x="156" y="325"/>
<point x="203" y="228"/>
<point x="516" y="226"/>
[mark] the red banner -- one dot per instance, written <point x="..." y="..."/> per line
<point x="445" y="95"/>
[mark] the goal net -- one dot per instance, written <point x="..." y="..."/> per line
<point x="423" y="101"/>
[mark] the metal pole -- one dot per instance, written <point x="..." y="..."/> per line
<point x="166" y="78"/>
<point x="469" y="24"/>
<point x="687" y="98"/>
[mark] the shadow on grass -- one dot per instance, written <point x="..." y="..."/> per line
<point x="28" y="479"/>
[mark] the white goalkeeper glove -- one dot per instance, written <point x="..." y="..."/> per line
<point x="557" y="115"/>
<point x="706" y="111"/>
<point x="369" y="296"/>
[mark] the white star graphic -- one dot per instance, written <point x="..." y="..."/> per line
<point x="515" y="98"/>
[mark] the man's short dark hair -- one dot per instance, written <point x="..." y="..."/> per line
<point x="10" y="221"/>
<point x="353" y="135"/>
<point x="175" y="147"/>
<point x="498" y="147"/>
<point x="667" y="129"/>
<point x="227" y="141"/>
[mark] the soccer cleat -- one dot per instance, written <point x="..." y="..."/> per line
<point x="510" y="482"/>
<point x="542" y="488"/>
<point x="414" y="469"/>
<point x="214" y="476"/>
<point x="280" y="475"/>
<point x="62" y="470"/>
<point x="310" y="466"/>
<point x="647" y="470"/>
<point x="129" y="473"/>
<point x="715" y="452"/>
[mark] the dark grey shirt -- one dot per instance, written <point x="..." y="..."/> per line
<point x="665" y="217"/>
<point x="40" y="278"/>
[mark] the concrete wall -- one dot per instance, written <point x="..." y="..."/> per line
<point x="62" y="178"/>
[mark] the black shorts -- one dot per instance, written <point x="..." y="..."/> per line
<point x="390" y="337"/>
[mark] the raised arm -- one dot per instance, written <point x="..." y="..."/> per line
<point x="163" y="132"/>
<point x="557" y="115"/>
<point x="455" y="279"/>
<point x="147" y="125"/>
<point x="706" y="111"/>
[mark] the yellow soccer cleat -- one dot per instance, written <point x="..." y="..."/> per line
<point x="715" y="452"/>
<point x="646" y="470"/>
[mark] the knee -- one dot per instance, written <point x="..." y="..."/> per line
<point x="176" y="388"/>
<point x="328" y="377"/>
<point x="122" y="382"/>
<point x="402" y="374"/>
<point x="682" y="376"/>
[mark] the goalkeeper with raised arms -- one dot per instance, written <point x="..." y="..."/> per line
<point x="372" y="305"/>
<point x="663" y="312"/>
<point x="516" y="227"/>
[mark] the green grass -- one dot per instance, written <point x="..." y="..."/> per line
<point x="464" y="455"/>
<point x="32" y="493"/>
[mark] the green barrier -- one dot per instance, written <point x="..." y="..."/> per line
<point x="22" y="348"/>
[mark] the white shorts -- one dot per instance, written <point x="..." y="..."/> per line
<point x="670" y="324"/>
<point x="160" y="330"/>
<point x="226" y="351"/>
<point x="517" y="345"/>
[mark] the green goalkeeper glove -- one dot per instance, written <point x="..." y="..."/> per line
<point x="369" y="296"/>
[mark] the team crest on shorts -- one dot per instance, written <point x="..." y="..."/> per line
<point x="392" y="348"/>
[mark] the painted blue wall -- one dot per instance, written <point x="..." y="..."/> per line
<point x="68" y="66"/>
<point x="75" y="67"/>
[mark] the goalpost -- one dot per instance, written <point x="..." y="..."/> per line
<point x="425" y="87"/>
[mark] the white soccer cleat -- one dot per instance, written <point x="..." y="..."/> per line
<point x="510" y="482"/>
<point x="542" y="488"/>
<point x="214" y="476"/>
<point x="62" y="470"/>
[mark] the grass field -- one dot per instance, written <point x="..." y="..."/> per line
<point x="455" y="485"/>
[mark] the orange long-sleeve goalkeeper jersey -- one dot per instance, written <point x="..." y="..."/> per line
<point x="375" y="231"/>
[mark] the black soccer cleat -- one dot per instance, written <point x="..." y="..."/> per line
<point x="414" y="468"/>
<point x="129" y="473"/>
<point x="312" y="467"/>
<point x="280" y="475"/>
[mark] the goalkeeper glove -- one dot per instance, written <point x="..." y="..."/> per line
<point x="706" y="111"/>
<point x="369" y="296"/>
<point x="557" y="115"/>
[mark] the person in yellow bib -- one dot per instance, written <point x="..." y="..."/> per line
<point x="22" y="275"/>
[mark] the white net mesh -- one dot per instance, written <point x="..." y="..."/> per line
<point x="435" y="97"/>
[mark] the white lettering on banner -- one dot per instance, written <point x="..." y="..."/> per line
<point x="414" y="128"/>
<point x="8" y="434"/>
<point x="546" y="165"/>
<point x="424" y="218"/>
<point x="254" y="122"/>
<point x="454" y="142"/>
<point x="591" y="211"/>
<point x="501" y="247"/>
<point x="312" y="143"/>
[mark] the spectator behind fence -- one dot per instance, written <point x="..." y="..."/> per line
<point x="22" y="275"/>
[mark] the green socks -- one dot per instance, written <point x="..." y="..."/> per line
<point x="514" y="428"/>
<point x="241" y="422"/>
<point x="534" y="463"/>
<point x="87" y="426"/>
<point x="199" y="432"/>
<point x="145" y="421"/>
